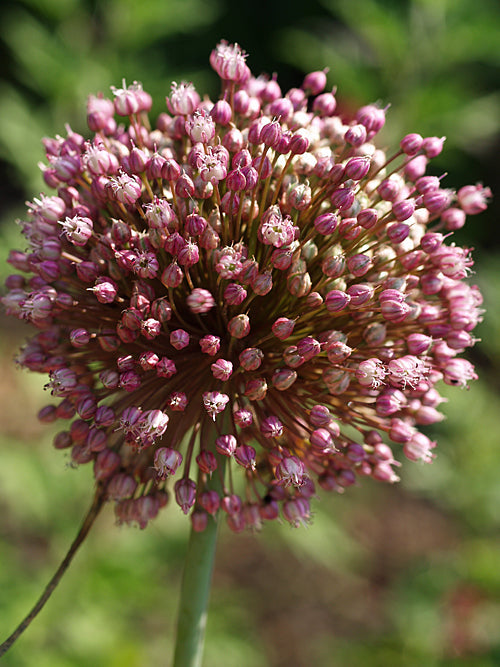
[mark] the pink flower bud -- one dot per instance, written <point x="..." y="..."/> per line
<point x="185" y="494"/>
<point x="200" y="301"/>
<point x="255" y="390"/>
<point x="290" y="471"/>
<point x="239" y="326"/>
<point x="206" y="462"/>
<point x="473" y="199"/>
<point x="251" y="358"/>
<point x="357" y="168"/>
<point x="283" y="378"/>
<point x="411" y="144"/>
<point x="271" y="427"/>
<point x="315" y="82"/>
<point x="226" y="445"/>
<point x="244" y="455"/>
<point x="356" y="135"/>
<point x="210" y="501"/>
<point x="106" y="464"/>
<point x="336" y="301"/>
<point x="210" y="345"/>
<point x="166" y="462"/>
<point x="222" y="369"/>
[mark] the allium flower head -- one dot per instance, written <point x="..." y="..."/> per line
<point x="251" y="280"/>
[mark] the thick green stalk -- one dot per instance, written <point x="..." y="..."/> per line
<point x="196" y="583"/>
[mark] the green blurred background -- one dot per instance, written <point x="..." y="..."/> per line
<point x="404" y="576"/>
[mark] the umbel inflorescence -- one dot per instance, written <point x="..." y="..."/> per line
<point x="250" y="281"/>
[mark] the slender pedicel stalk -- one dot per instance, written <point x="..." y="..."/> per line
<point x="87" y="524"/>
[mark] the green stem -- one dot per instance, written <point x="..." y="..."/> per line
<point x="196" y="581"/>
<point x="88" y="522"/>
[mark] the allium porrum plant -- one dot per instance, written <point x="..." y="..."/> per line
<point x="241" y="304"/>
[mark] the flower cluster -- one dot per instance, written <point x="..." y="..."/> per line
<point x="251" y="281"/>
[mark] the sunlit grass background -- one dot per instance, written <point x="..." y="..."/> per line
<point x="404" y="576"/>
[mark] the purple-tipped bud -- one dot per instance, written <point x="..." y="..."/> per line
<point x="433" y="146"/>
<point x="210" y="501"/>
<point x="336" y="301"/>
<point x="179" y="339"/>
<point x="270" y="134"/>
<point x="367" y="218"/>
<point x="283" y="328"/>
<point x="418" y="344"/>
<point x="356" y="135"/>
<point x="342" y="198"/>
<point x="299" y="144"/>
<point x="239" y="326"/>
<point x="185" y="494"/>
<point x="322" y="441"/>
<point x="206" y="461"/>
<point x="226" y="445"/>
<point x="326" y="223"/>
<point x="244" y="455"/>
<point x="436" y="201"/>
<point x="402" y="210"/>
<point x="256" y="390"/>
<point x="325" y="104"/>
<point x="357" y="168"/>
<point x="106" y="464"/>
<point x="283" y="378"/>
<point x="251" y="358"/>
<point x="315" y="82"/>
<point x="79" y="337"/>
<point x="210" y="345"/>
<point x="222" y="369"/>
<point x="411" y="144"/>
<point x="372" y="117"/>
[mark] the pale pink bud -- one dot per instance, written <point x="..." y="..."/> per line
<point x="214" y="402"/>
<point x="210" y="345"/>
<point x="200" y="300"/>
<point x="290" y="471"/>
<point x="226" y="445"/>
<point x="166" y="462"/>
<point x="271" y="427"/>
<point x="473" y="199"/>
<point x="315" y="82"/>
<point x="222" y="369"/>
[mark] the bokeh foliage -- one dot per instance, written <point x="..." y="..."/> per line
<point x="401" y="576"/>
